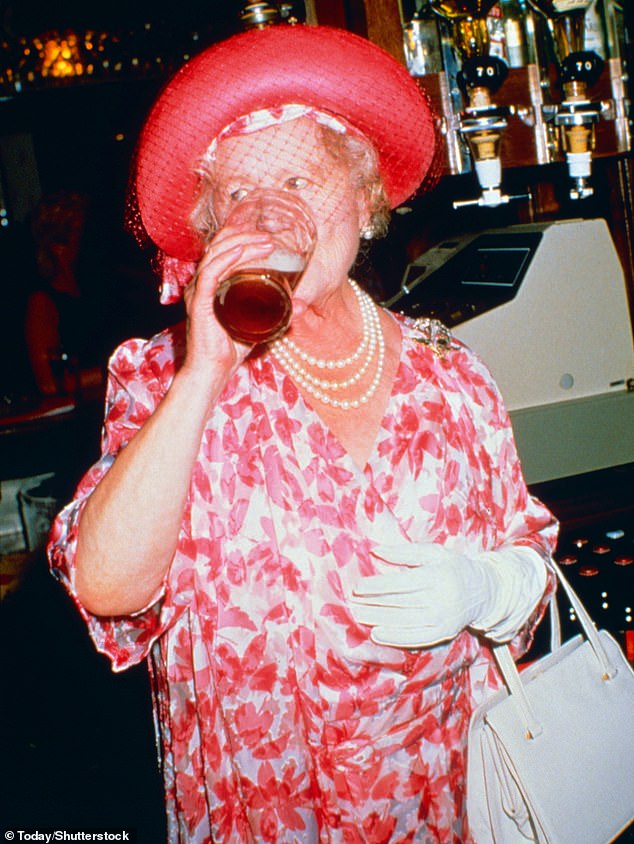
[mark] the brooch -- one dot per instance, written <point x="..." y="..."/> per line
<point x="434" y="334"/>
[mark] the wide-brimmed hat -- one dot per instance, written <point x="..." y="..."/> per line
<point x="331" y="70"/>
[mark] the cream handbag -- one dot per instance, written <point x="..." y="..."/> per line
<point x="551" y="756"/>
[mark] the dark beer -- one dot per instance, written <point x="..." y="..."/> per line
<point x="254" y="305"/>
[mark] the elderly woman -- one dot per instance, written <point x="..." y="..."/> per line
<point x="311" y="541"/>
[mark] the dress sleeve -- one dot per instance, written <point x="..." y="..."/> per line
<point x="138" y="376"/>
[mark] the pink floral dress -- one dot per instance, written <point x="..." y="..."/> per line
<point x="279" y="719"/>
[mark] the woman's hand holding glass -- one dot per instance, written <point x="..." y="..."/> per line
<point x="253" y="302"/>
<point x="207" y="340"/>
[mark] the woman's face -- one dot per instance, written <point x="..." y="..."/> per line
<point x="292" y="157"/>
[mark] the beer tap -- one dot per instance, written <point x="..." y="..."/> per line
<point x="576" y="116"/>
<point x="482" y="122"/>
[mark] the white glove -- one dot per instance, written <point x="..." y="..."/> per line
<point x="427" y="594"/>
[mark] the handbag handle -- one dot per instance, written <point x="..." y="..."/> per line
<point x="511" y="675"/>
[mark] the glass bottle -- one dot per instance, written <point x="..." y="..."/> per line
<point x="468" y="20"/>
<point x="497" y="35"/>
<point x="514" y="21"/>
<point x="421" y="42"/>
<point x="566" y="19"/>
<point x="594" y="33"/>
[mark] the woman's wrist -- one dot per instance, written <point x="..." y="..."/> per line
<point x="199" y="386"/>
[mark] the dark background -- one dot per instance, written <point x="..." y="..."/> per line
<point x="36" y="16"/>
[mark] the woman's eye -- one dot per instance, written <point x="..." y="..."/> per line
<point x="238" y="194"/>
<point x="296" y="183"/>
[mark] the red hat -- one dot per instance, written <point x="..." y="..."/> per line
<point x="331" y="70"/>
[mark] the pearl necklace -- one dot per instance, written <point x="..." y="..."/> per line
<point x="372" y="342"/>
<point x="366" y="306"/>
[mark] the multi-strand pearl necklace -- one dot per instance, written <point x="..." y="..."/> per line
<point x="371" y="347"/>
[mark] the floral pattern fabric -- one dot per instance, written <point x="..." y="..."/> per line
<point x="279" y="719"/>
